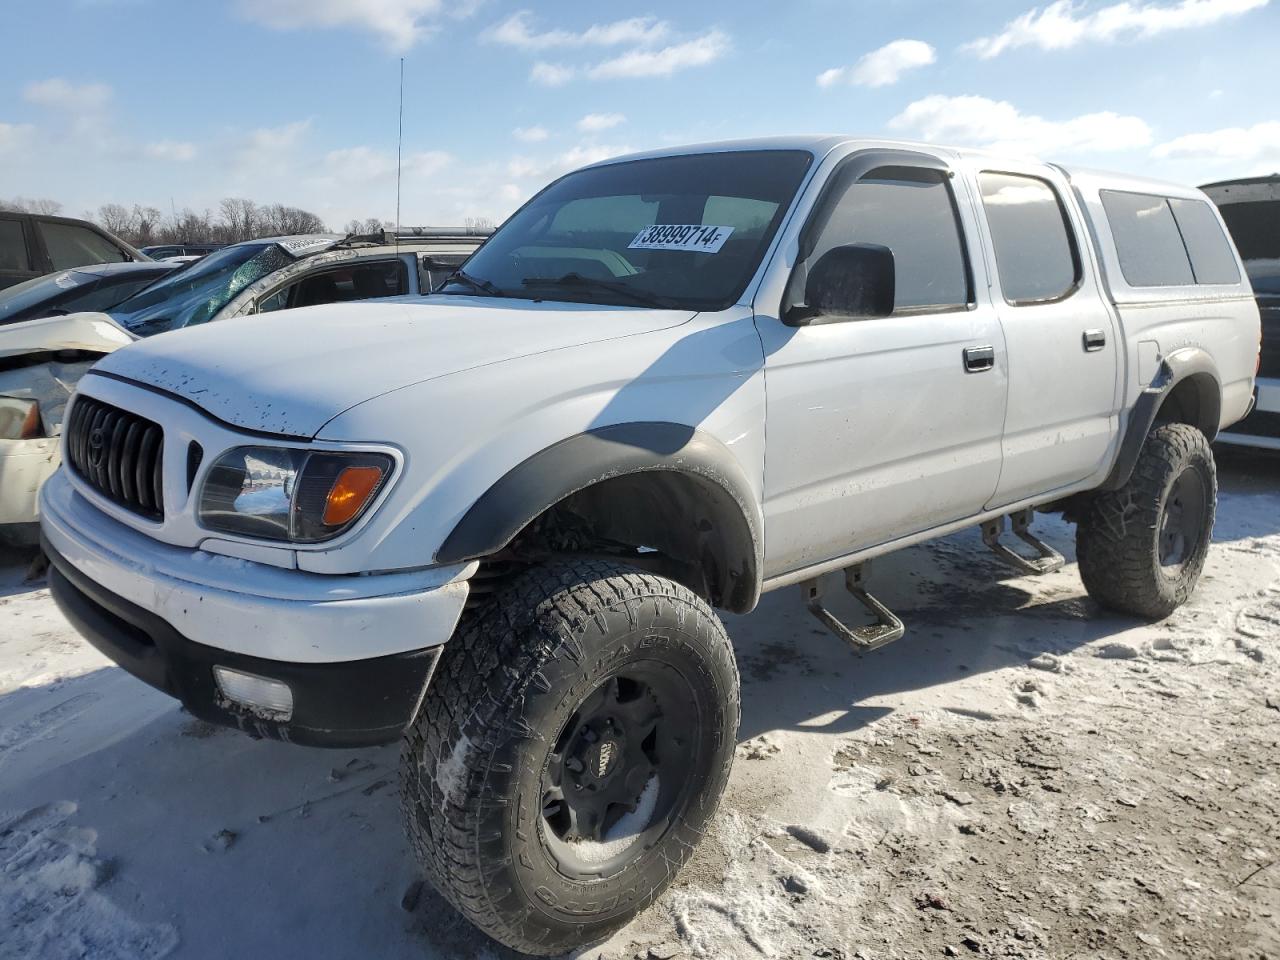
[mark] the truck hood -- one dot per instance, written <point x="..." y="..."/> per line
<point x="292" y="372"/>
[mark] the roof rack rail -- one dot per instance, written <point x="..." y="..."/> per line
<point x="436" y="233"/>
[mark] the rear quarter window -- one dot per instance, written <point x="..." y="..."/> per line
<point x="1211" y="258"/>
<point x="1147" y="240"/>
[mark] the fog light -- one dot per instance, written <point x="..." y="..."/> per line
<point x="256" y="693"/>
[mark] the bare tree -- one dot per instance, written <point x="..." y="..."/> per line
<point x="116" y="219"/>
<point x="366" y="226"/>
<point x="146" y="222"/>
<point x="479" y="223"/>
<point x="239" y="218"/>
<point x="40" y="205"/>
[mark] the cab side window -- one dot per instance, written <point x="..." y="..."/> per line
<point x="359" y="281"/>
<point x="1036" y="255"/>
<point x="912" y="212"/>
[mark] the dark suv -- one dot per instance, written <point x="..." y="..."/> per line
<point x="32" y="244"/>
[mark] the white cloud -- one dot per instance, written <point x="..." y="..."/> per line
<point x="531" y="134"/>
<point x="1257" y="146"/>
<point x="664" y="61"/>
<point x="515" y="31"/>
<point x="359" y="164"/>
<point x="178" y="150"/>
<point x="1062" y="24"/>
<point x="14" y="135"/>
<point x="999" y="126"/>
<point x="267" y="147"/>
<point x="595" y="122"/>
<point x="882" y="67"/>
<point x="400" y="23"/>
<point x="551" y="74"/>
<point x="64" y="95"/>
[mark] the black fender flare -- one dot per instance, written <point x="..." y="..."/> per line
<point x="1175" y="368"/>
<point x="571" y="465"/>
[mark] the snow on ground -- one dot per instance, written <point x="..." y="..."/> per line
<point x="1022" y="776"/>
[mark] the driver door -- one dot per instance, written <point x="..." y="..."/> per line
<point x="880" y="428"/>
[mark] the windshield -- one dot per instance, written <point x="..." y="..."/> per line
<point x="73" y="291"/>
<point x="682" y="232"/>
<point x="195" y="294"/>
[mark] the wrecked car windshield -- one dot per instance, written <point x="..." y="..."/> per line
<point x="683" y="232"/>
<point x="195" y="294"/>
<point x="73" y="291"/>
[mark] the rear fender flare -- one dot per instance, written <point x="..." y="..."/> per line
<point x="1189" y="365"/>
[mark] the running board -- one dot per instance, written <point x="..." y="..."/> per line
<point x="885" y="630"/>
<point x="1047" y="559"/>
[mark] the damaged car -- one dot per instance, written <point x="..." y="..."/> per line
<point x="40" y="364"/>
<point x="41" y="360"/>
<point x="95" y="287"/>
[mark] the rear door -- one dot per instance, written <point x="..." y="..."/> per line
<point x="16" y="262"/>
<point x="880" y="428"/>
<point x="1059" y="330"/>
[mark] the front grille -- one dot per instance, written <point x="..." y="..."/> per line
<point x="119" y="454"/>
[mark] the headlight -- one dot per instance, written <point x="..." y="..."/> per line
<point x="19" y="419"/>
<point x="279" y="493"/>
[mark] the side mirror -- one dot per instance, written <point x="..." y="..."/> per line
<point x="851" y="282"/>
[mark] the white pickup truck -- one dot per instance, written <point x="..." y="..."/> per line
<point x="495" y="522"/>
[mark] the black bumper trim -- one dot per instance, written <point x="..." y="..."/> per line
<point x="348" y="704"/>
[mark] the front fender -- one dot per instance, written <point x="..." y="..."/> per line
<point x="565" y="468"/>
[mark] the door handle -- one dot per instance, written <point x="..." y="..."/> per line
<point x="978" y="359"/>
<point x="1094" y="340"/>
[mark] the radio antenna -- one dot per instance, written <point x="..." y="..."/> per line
<point x="399" y="147"/>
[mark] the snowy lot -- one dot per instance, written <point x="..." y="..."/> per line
<point x="1022" y="776"/>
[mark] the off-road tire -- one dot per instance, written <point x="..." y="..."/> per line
<point x="474" y="760"/>
<point x="1118" y="538"/>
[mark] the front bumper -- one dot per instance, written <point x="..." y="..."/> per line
<point x="356" y="652"/>
<point x="352" y="704"/>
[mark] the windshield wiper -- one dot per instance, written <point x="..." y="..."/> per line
<point x="475" y="283"/>
<point x="572" y="280"/>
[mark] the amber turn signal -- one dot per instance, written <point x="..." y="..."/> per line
<point x="349" y="494"/>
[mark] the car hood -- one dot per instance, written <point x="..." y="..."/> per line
<point x="292" y="372"/>
<point x="91" y="332"/>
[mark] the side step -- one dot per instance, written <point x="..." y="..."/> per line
<point x="1047" y="559"/>
<point x="885" y="630"/>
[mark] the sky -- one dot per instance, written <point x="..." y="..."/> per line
<point x="176" y="104"/>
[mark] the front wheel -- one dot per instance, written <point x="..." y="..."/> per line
<point x="1141" y="548"/>
<point x="571" y="750"/>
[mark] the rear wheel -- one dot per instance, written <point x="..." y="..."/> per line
<point x="571" y="750"/>
<point x="1142" y="548"/>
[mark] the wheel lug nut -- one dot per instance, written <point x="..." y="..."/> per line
<point x="574" y="764"/>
